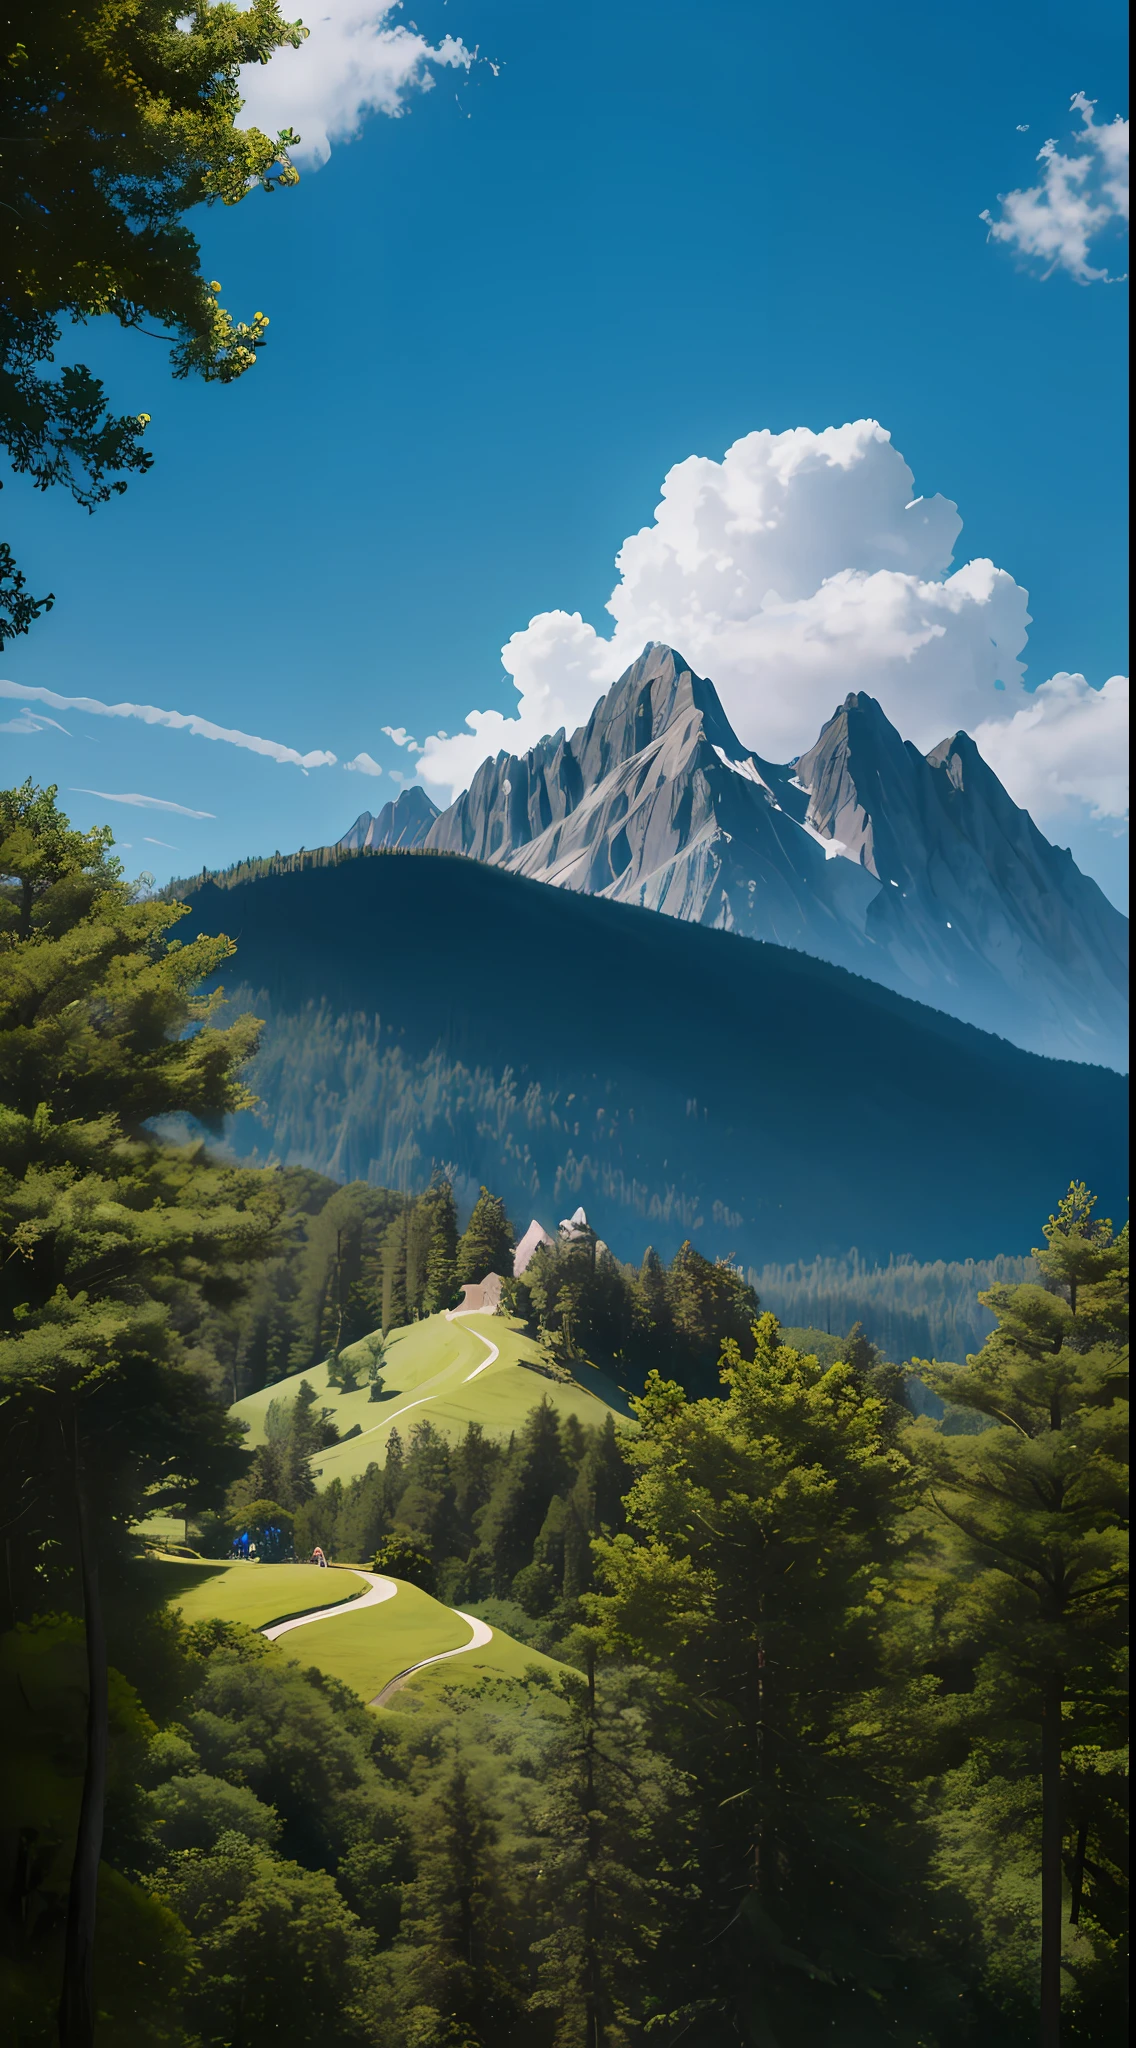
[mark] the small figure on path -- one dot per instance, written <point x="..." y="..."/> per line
<point x="319" y="1558"/>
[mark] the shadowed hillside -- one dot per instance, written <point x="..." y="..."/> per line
<point x="425" y="1009"/>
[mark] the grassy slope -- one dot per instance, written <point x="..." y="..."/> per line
<point x="427" y="1375"/>
<point x="363" y="1649"/>
<point x="257" y="1594"/>
<point x="504" y="1657"/>
<point x="366" y="1650"/>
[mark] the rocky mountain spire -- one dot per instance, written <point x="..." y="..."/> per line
<point x="917" y="871"/>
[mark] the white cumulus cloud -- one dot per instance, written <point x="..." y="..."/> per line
<point x="1082" y="195"/>
<point x="1066" y="747"/>
<point x="357" y="60"/>
<point x="176" y="721"/>
<point x="798" y="568"/>
<point x="363" y="765"/>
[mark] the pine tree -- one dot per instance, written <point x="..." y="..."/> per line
<point x="456" y="1921"/>
<point x="652" y="1292"/>
<point x="1032" y="1519"/>
<point x="418" y="1234"/>
<point x="708" y="1304"/>
<point x="486" y="1245"/>
<point x="117" y="1243"/>
<point x="427" y="1503"/>
<point x="441" y="1257"/>
<point x="363" y="1520"/>
<point x="475" y="1465"/>
<point x="533" y="1472"/>
<point x="614" y="1831"/>
<point x="394" y="1474"/>
<point x="757" y="1580"/>
<point x="394" y="1309"/>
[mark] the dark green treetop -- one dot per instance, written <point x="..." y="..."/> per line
<point x="486" y="1244"/>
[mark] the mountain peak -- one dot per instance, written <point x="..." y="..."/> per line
<point x="917" y="871"/>
<point x="857" y="747"/>
<point x="403" y="822"/>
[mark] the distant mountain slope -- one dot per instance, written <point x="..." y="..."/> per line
<point x="918" y="872"/>
<point x="424" y="1010"/>
<point x="405" y="823"/>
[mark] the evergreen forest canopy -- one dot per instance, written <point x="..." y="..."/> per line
<point x="748" y="1098"/>
<point x="834" y="1750"/>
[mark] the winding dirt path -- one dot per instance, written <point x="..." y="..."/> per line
<point x="494" y="1351"/>
<point x="381" y="1589"/>
<point x="482" y="1634"/>
<point x="420" y="1400"/>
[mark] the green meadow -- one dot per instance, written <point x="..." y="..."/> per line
<point x="436" y="1369"/>
<point x="256" y="1594"/>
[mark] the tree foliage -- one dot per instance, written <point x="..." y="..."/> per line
<point x="119" y="117"/>
<point x="113" y="1243"/>
<point x="486" y="1244"/>
<point x="1031" y="1517"/>
<point x="839" y="1751"/>
<point x="756" y="1579"/>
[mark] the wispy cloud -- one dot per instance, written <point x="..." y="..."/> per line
<point x="1081" y="196"/>
<point x="175" y="721"/>
<point x="32" y="721"/>
<point x="363" y="765"/>
<point x="142" y="803"/>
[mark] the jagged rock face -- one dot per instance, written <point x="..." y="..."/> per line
<point x="918" y="872"/>
<point x="534" y="1237"/>
<point x="977" y="912"/>
<point x="404" y="823"/>
<point x="655" y="801"/>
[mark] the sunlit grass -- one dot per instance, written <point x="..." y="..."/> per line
<point x="426" y="1375"/>
<point x="257" y="1594"/>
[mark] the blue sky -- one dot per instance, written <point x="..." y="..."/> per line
<point x="500" y="320"/>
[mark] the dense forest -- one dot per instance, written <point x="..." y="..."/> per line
<point x="356" y="1259"/>
<point x="827" y="1739"/>
<point x="679" y="1083"/>
<point x="910" y="1308"/>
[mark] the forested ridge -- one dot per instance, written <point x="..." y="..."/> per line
<point x="834" y="1746"/>
<point x="564" y="1050"/>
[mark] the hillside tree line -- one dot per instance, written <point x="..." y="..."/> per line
<point x="834" y="1748"/>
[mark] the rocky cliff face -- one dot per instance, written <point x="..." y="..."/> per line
<point x="976" y="912"/>
<point x="404" y="823"/>
<point x="655" y="801"/>
<point x="918" y="872"/>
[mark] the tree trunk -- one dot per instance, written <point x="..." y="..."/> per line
<point x="77" y="2002"/>
<point x="1077" y="1887"/>
<point x="1051" y="1867"/>
<point x="593" y="1994"/>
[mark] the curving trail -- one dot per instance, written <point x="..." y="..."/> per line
<point x="420" y="1401"/>
<point x="381" y="1589"/>
<point x="482" y="1634"/>
<point x="385" y="1589"/>
<point x="494" y="1351"/>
